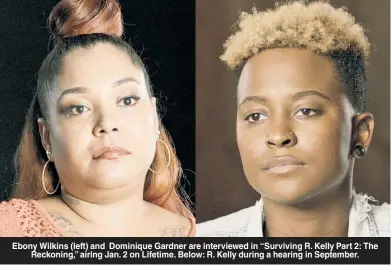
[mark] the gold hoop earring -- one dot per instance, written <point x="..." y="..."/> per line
<point x="169" y="158"/>
<point x="48" y="153"/>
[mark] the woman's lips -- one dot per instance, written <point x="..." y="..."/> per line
<point x="110" y="152"/>
<point x="282" y="164"/>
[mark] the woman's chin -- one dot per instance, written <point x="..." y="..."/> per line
<point x="288" y="190"/>
<point x="288" y="196"/>
<point x="112" y="179"/>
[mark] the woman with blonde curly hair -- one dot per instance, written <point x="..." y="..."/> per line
<point x="301" y="124"/>
<point x="94" y="158"/>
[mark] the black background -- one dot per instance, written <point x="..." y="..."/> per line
<point x="163" y="33"/>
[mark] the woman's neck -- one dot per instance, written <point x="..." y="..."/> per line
<point x="326" y="215"/>
<point x="121" y="212"/>
<point x="128" y="216"/>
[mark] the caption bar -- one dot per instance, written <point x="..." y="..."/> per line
<point x="196" y="250"/>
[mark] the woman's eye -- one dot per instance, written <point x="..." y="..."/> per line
<point x="306" y="112"/>
<point x="255" y="117"/>
<point x="76" y="110"/>
<point x="129" y="101"/>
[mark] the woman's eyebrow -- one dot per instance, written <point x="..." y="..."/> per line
<point x="307" y="93"/>
<point x="296" y="96"/>
<point x="256" y="99"/>
<point x="125" y="80"/>
<point x="73" y="90"/>
<point x="82" y="90"/>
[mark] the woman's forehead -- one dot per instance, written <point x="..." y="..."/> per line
<point x="100" y="65"/>
<point x="288" y="71"/>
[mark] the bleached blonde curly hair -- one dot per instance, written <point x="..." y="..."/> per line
<point x="316" y="26"/>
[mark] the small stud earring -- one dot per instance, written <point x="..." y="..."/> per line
<point x="359" y="150"/>
<point x="48" y="154"/>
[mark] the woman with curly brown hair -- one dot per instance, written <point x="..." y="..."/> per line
<point x="301" y="124"/>
<point x="94" y="158"/>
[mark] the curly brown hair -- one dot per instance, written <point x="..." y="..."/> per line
<point x="316" y="26"/>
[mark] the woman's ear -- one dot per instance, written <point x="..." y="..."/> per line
<point x="44" y="133"/>
<point x="364" y="124"/>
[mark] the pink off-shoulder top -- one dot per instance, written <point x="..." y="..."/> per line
<point x="27" y="218"/>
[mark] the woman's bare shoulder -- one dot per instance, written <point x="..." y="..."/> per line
<point x="172" y="224"/>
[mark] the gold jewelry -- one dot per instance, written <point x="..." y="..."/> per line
<point x="169" y="157"/>
<point x="48" y="153"/>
